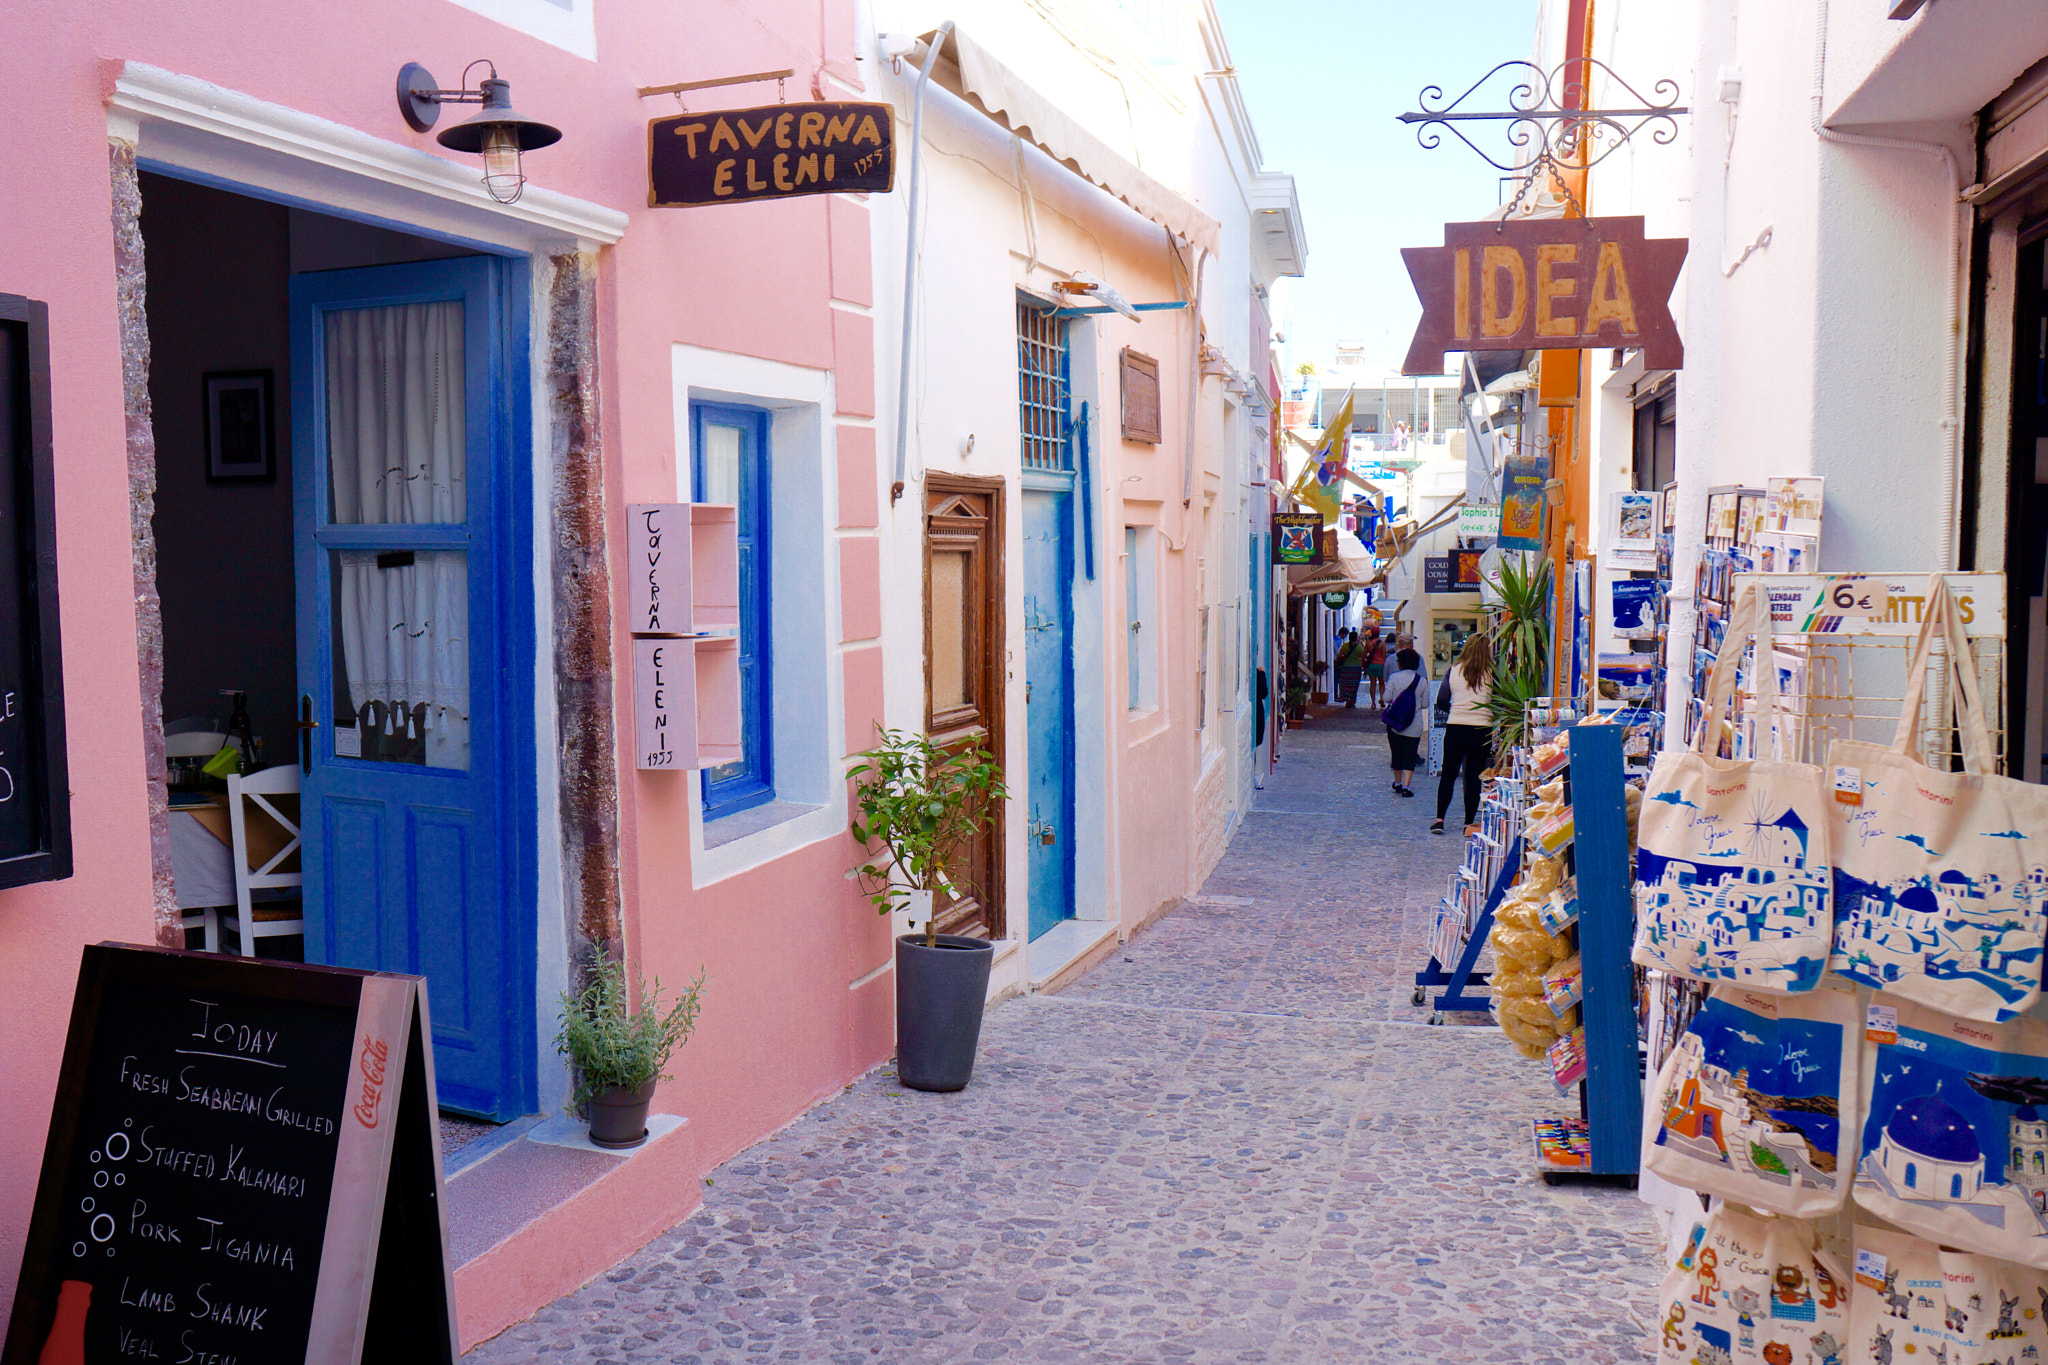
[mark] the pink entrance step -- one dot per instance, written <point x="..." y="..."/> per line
<point x="534" y="1220"/>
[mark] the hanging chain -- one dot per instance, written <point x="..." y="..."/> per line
<point x="1543" y="163"/>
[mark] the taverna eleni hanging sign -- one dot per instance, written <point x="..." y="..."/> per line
<point x="777" y="151"/>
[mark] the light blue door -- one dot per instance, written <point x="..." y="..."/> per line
<point x="403" y="460"/>
<point x="1049" y="699"/>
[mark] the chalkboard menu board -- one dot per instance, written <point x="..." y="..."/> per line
<point x="35" y="821"/>
<point x="242" y="1165"/>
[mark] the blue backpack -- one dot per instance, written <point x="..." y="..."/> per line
<point x="1400" y="712"/>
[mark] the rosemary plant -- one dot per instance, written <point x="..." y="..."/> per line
<point x="611" y="1044"/>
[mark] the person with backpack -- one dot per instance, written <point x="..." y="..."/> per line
<point x="1406" y="717"/>
<point x="1468" y="736"/>
<point x="1350" y="665"/>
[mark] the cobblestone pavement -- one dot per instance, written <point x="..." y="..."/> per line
<point x="1232" y="1142"/>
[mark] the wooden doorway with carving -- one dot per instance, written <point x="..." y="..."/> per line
<point x="963" y="648"/>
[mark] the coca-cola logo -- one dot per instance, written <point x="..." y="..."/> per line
<point x="370" y="1063"/>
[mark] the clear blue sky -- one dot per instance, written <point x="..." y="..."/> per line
<point x="1324" y="80"/>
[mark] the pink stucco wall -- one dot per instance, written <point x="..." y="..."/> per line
<point x="781" y="1027"/>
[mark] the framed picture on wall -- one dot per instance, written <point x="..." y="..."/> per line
<point x="241" y="444"/>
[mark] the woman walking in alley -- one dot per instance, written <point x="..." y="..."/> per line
<point x="1468" y="744"/>
<point x="1406" y="690"/>
<point x="1376" y="667"/>
<point x="1350" y="667"/>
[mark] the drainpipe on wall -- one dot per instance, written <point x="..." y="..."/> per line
<point x="1951" y="424"/>
<point x="1187" y="469"/>
<point x="924" y="75"/>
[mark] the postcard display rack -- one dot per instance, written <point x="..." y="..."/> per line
<point x="1599" y="1059"/>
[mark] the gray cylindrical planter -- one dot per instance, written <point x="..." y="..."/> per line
<point x="618" y="1117"/>
<point x="939" y="995"/>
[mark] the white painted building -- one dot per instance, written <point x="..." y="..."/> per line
<point x="1859" y="192"/>
<point x="1074" y="566"/>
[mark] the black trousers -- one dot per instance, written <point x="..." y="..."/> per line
<point x="1467" y="748"/>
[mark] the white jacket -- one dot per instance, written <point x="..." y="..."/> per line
<point x="1468" y="703"/>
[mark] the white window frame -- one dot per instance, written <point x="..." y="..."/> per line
<point x="808" y="720"/>
<point x="568" y="24"/>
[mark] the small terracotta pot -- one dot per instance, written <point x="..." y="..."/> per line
<point x="618" y="1117"/>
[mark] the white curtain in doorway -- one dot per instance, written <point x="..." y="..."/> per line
<point x="397" y="438"/>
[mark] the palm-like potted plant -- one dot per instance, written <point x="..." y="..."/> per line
<point x="920" y="806"/>
<point x="1520" y="636"/>
<point x="619" y="1052"/>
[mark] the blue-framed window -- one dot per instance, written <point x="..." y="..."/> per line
<point x="729" y="463"/>
<point x="1042" y="389"/>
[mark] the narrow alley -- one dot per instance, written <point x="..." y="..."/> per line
<point x="1235" y="1140"/>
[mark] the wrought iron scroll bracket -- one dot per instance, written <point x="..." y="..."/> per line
<point x="1549" y="127"/>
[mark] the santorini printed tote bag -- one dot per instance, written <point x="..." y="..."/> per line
<point x="1915" y="1301"/>
<point x="1941" y="878"/>
<point x="1750" y="1290"/>
<point x="1954" y="1147"/>
<point x="1756" y="1097"/>
<point x="1732" y="868"/>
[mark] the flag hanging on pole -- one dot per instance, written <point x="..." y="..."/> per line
<point x="1322" y="481"/>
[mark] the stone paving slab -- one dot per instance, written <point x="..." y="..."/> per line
<point x="1233" y="1141"/>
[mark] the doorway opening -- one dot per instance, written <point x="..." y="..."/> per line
<point x="337" y="472"/>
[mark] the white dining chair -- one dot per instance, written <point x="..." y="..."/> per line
<point x="251" y="918"/>
<point x="189" y="738"/>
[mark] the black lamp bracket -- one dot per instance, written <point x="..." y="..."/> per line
<point x="1550" y="127"/>
<point x="420" y="97"/>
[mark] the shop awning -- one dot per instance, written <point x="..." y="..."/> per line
<point x="1348" y="574"/>
<point x="971" y="73"/>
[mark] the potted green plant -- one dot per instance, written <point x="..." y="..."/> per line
<point x="1520" y="635"/>
<point x="620" y="1052"/>
<point x="920" y="805"/>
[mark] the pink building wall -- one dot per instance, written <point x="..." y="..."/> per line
<point x="781" y="1028"/>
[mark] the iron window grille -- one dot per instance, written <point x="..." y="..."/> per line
<point x="1042" y="421"/>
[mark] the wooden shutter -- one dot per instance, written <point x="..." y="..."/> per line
<point x="1140" y="389"/>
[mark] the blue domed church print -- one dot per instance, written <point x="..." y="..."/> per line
<point x="1980" y="931"/>
<point x="1952" y="1130"/>
<point x="1746" y="903"/>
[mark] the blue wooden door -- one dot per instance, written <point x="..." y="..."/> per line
<point x="402" y="470"/>
<point x="1049" y="703"/>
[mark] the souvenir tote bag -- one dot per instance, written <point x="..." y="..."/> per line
<point x="1991" y="1308"/>
<point x="1899" y="1311"/>
<point x="1954" y="1145"/>
<point x="1756" y="1099"/>
<point x="1751" y="1290"/>
<point x="1915" y="1301"/>
<point x="1732" y="870"/>
<point x="1941" y="878"/>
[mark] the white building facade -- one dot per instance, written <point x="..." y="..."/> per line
<point x="1074" y="560"/>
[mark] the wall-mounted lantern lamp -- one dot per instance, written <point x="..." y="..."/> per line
<point x="498" y="132"/>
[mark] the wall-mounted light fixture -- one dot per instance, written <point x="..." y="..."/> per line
<point x="498" y="132"/>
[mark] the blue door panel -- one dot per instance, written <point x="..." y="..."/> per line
<point x="439" y="885"/>
<point x="1049" y="707"/>
<point x="419" y="870"/>
<point x="350" y="848"/>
